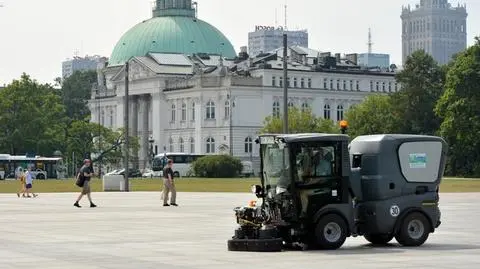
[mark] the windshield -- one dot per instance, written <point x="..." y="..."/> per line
<point x="275" y="166"/>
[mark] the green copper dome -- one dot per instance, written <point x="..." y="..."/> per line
<point x="173" y="29"/>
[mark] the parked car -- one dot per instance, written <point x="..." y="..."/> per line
<point x="131" y="173"/>
<point x="148" y="173"/>
<point x="247" y="170"/>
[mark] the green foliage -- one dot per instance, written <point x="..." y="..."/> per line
<point x="422" y="83"/>
<point x="32" y="117"/>
<point x="372" y="116"/>
<point x="76" y="90"/>
<point x="459" y="107"/>
<point x="217" y="166"/>
<point x="299" y="121"/>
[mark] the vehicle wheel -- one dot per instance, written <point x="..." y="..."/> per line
<point x="414" y="230"/>
<point x="255" y="245"/>
<point x="330" y="232"/>
<point x="176" y="174"/>
<point x="379" y="239"/>
<point x="40" y="176"/>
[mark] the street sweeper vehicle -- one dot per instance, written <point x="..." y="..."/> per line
<point x="318" y="189"/>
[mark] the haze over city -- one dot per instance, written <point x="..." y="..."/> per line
<point x="38" y="35"/>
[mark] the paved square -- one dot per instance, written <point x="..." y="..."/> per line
<point x="133" y="230"/>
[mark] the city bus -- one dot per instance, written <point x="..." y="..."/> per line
<point x="41" y="167"/>
<point x="181" y="162"/>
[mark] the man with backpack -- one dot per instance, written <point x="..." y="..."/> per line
<point x="83" y="181"/>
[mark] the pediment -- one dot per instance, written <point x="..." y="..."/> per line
<point x="137" y="70"/>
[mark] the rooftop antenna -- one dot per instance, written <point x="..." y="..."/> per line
<point x="76" y="53"/>
<point x="276" y="18"/>
<point x="285" y="15"/>
<point x="369" y="41"/>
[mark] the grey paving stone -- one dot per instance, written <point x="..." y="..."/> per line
<point x="134" y="230"/>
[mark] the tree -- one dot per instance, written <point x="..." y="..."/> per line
<point x="32" y="118"/>
<point x="76" y="91"/>
<point x="299" y="122"/>
<point x="372" y="116"/>
<point x="459" y="108"/>
<point x="103" y="144"/>
<point x="422" y="83"/>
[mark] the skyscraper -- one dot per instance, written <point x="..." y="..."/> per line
<point x="436" y="27"/>
<point x="268" y="38"/>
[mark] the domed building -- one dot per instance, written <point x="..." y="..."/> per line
<point x="189" y="92"/>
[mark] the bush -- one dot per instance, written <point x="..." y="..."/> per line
<point x="217" y="166"/>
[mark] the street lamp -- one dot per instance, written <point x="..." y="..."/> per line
<point x="152" y="154"/>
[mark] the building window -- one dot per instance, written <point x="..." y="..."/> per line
<point x="193" y="111"/>
<point x="338" y="84"/>
<point x="302" y="83"/>
<point x="351" y="85"/>
<point x="182" y="144"/>
<point x="170" y="142"/>
<point x="309" y="83"/>
<point x="210" y="110"/>
<point x="344" y="85"/>
<point x="390" y="86"/>
<point x="358" y="85"/>
<point x="331" y="84"/>
<point x="248" y="145"/>
<point x="377" y="86"/>
<point x="210" y="145"/>
<point x="276" y="109"/>
<point x="281" y="82"/>
<point x="325" y="83"/>
<point x="288" y="81"/>
<point x="274" y="81"/>
<point x="192" y="145"/>
<point x="291" y="104"/>
<point x="173" y="113"/>
<point x="227" y="109"/>
<point x="383" y="86"/>
<point x="184" y="112"/>
<point x="371" y="86"/>
<point x="326" y="112"/>
<point x="294" y="82"/>
<point x="305" y="107"/>
<point x="339" y="113"/>
<point x="396" y="86"/>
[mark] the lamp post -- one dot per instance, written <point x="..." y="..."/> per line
<point x="152" y="154"/>
<point x="126" y="123"/>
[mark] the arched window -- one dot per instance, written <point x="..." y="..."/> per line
<point x="173" y="112"/>
<point x="291" y="104"/>
<point x="305" y="106"/>
<point x="227" y="109"/>
<point x="248" y="145"/>
<point x="182" y="145"/>
<point x="326" y="112"/>
<point x="170" y="142"/>
<point x="210" y="110"/>
<point x="276" y="109"/>
<point x="192" y="145"/>
<point x="184" y="112"/>
<point x="339" y="112"/>
<point x="193" y="111"/>
<point x="210" y="145"/>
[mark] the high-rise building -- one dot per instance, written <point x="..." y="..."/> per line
<point x="268" y="38"/>
<point x="436" y="27"/>
<point x="80" y="64"/>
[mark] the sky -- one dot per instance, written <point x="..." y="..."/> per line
<point x="37" y="35"/>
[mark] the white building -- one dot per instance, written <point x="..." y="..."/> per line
<point x="268" y="38"/>
<point x="204" y="103"/>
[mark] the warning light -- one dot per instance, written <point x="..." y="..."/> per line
<point x="343" y="124"/>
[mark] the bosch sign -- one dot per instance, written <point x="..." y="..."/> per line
<point x="267" y="28"/>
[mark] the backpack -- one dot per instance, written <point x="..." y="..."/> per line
<point x="80" y="180"/>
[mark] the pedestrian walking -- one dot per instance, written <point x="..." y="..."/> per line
<point x="169" y="185"/>
<point x="83" y="181"/>
<point x="29" y="183"/>
<point x="21" y="176"/>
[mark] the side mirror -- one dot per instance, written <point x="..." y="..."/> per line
<point x="257" y="190"/>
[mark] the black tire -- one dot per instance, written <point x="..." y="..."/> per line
<point x="330" y="232"/>
<point x="255" y="245"/>
<point x="176" y="174"/>
<point x="379" y="239"/>
<point x="40" y="176"/>
<point x="414" y="230"/>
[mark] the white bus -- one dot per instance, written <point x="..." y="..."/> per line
<point x="42" y="167"/>
<point x="181" y="162"/>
